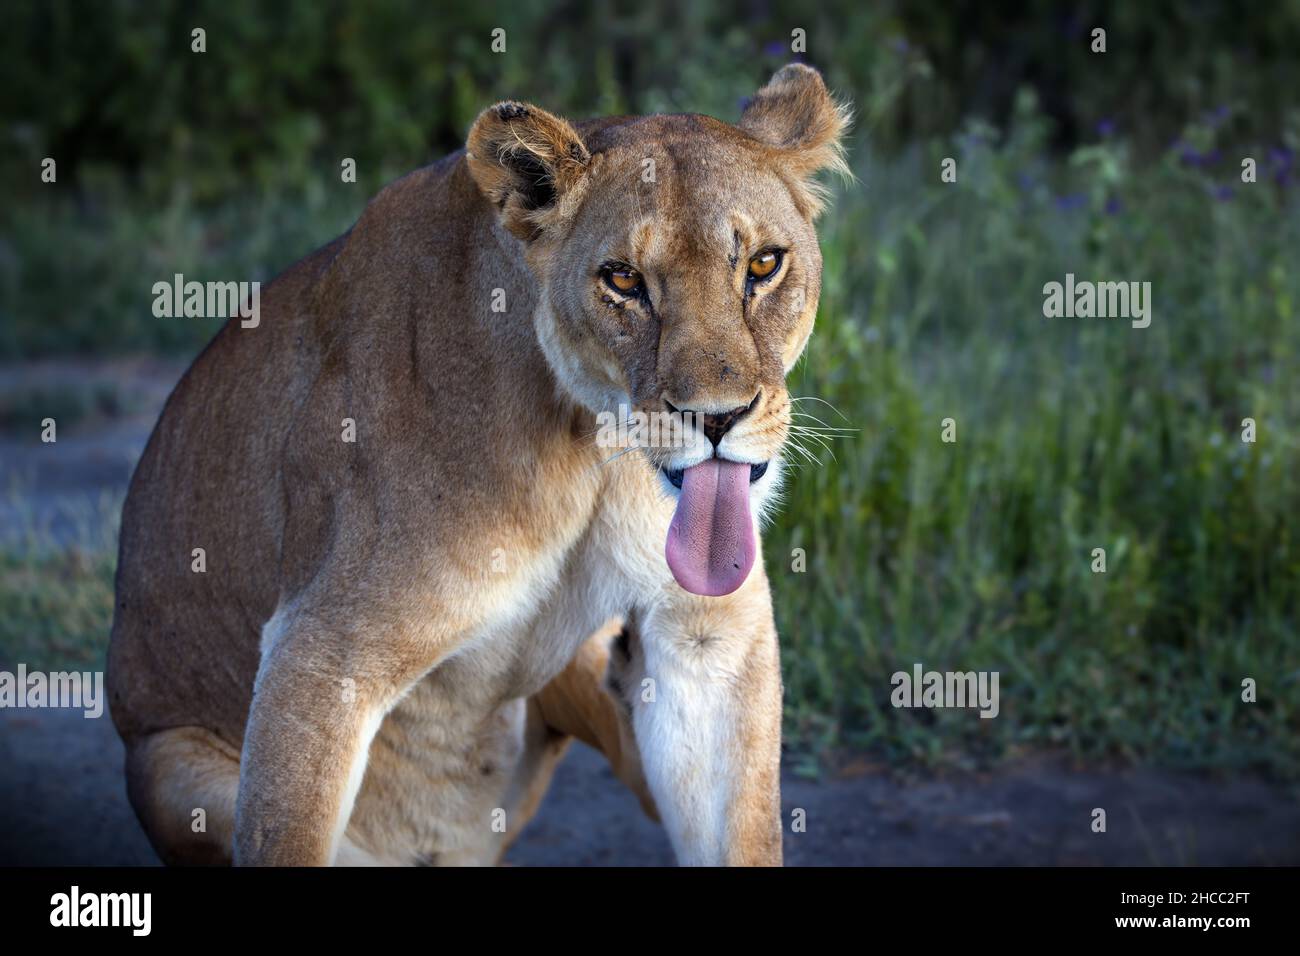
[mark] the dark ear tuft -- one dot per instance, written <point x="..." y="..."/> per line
<point x="512" y="111"/>
<point x="528" y="163"/>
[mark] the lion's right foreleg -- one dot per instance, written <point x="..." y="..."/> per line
<point x="322" y="691"/>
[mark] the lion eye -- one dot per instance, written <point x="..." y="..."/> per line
<point x="624" y="280"/>
<point x="764" y="264"/>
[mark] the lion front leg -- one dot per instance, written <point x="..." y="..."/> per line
<point x="708" y="724"/>
<point x="321" y="692"/>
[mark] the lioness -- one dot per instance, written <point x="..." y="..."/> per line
<point x="389" y="644"/>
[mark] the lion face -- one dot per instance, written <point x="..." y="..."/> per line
<point x="679" y="275"/>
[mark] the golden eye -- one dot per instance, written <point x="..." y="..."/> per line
<point x="623" y="279"/>
<point x="764" y="264"/>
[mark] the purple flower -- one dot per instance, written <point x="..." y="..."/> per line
<point x="1192" y="157"/>
<point x="775" y="48"/>
<point x="1106" y="128"/>
<point x="1223" y="193"/>
<point x="1071" y="201"/>
<point x="1113" y="206"/>
<point x="1282" y="161"/>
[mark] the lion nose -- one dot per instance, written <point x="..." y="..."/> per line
<point x="716" y="424"/>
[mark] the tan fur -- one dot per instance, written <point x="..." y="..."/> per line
<point x="388" y="651"/>
<point x="592" y="699"/>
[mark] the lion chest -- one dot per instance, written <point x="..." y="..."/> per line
<point x="557" y="597"/>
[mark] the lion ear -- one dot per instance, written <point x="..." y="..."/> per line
<point x="796" y="115"/>
<point x="528" y="163"/>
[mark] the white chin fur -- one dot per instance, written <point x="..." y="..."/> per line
<point x="587" y="390"/>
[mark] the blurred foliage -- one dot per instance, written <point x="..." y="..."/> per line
<point x="56" y="591"/>
<point x="287" y="89"/>
<point x="1072" y="434"/>
<point x="19" y="407"/>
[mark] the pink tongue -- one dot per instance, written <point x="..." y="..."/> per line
<point x="711" y="540"/>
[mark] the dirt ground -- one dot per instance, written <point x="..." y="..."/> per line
<point x="63" y="801"/>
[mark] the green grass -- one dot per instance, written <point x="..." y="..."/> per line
<point x="76" y="404"/>
<point x="56" y="598"/>
<point x="80" y="279"/>
<point x="1072" y="434"/>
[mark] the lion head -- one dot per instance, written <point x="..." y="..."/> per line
<point x="678" y="275"/>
